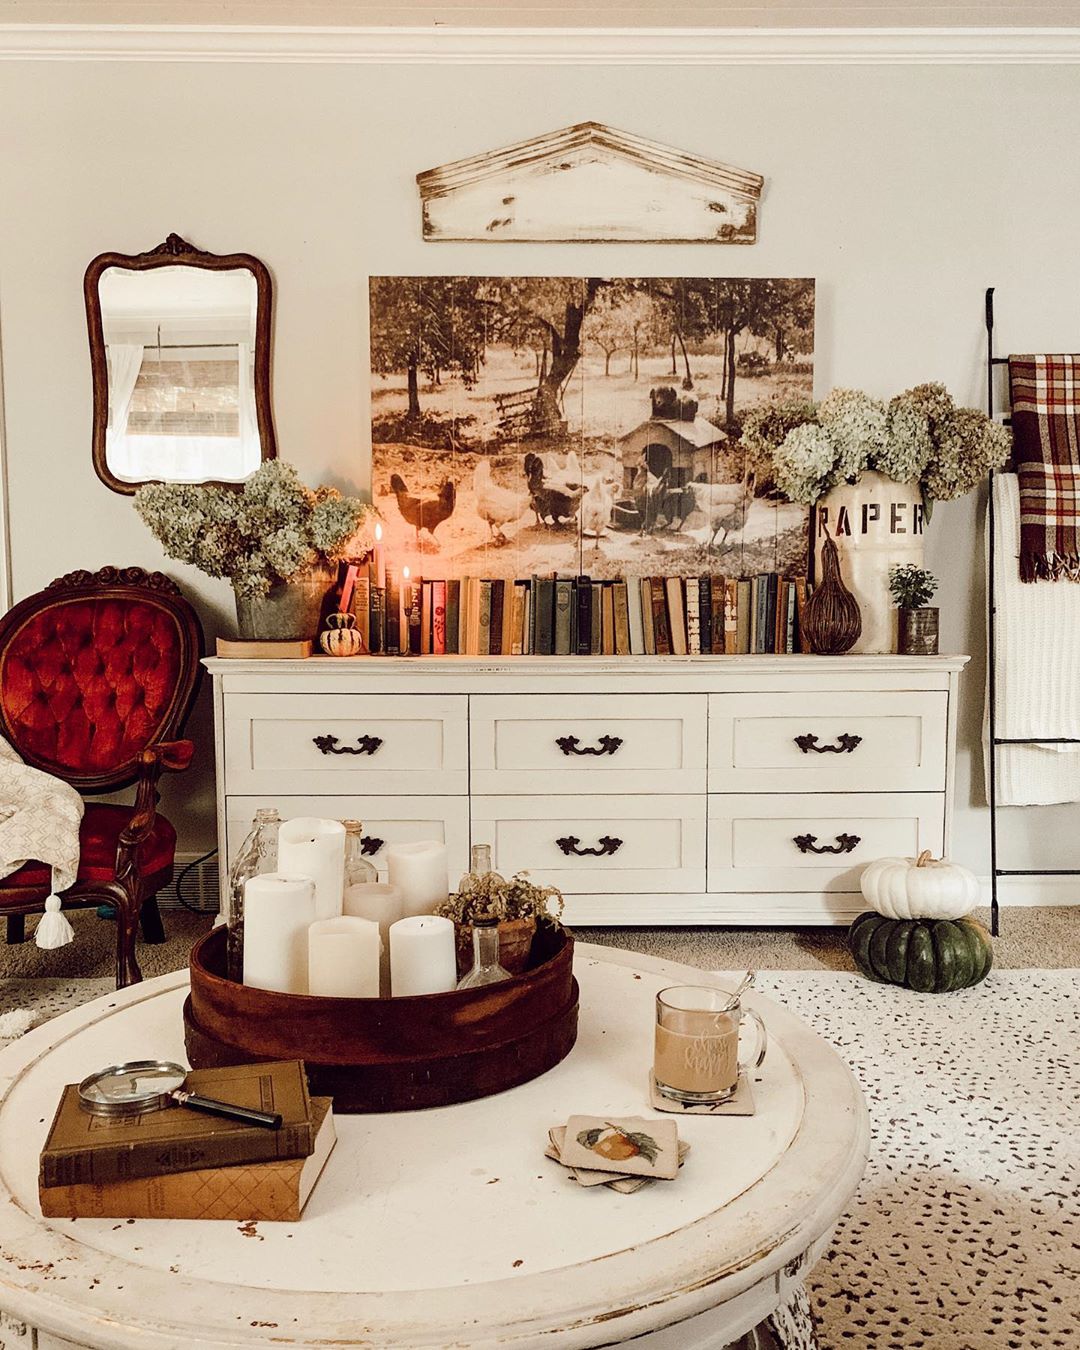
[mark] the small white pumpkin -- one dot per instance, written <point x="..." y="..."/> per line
<point x="342" y="642"/>
<point x="920" y="888"/>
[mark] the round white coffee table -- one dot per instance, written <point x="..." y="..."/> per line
<point x="448" y="1227"/>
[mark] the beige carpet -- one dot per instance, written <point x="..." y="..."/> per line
<point x="1047" y="938"/>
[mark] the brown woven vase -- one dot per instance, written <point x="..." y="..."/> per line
<point x="832" y="622"/>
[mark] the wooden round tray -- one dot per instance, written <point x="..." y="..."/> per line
<point x="391" y="1054"/>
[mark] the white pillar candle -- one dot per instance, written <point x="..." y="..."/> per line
<point x="422" y="956"/>
<point x="278" y="911"/>
<point x="343" y="958"/>
<point x="383" y="904"/>
<point x="310" y="847"/>
<point x="420" y="872"/>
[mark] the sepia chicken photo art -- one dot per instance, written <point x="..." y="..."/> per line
<point x="527" y="425"/>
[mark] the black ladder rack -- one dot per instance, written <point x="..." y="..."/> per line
<point x="995" y="740"/>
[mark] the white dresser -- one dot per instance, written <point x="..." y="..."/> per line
<point x="650" y="790"/>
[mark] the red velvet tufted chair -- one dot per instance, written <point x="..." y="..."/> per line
<point x="97" y="676"/>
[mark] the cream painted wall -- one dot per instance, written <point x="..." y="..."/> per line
<point x="904" y="189"/>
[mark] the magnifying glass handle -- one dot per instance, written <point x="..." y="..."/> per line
<point x="268" y="1120"/>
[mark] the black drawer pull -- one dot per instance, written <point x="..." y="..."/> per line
<point x="608" y="846"/>
<point x="845" y="744"/>
<point x="606" y="745"/>
<point x="369" y="846"/>
<point x="807" y="843"/>
<point x="365" y="745"/>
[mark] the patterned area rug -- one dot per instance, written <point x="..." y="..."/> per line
<point x="965" y="1232"/>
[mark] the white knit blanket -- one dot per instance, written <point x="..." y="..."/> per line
<point x="1037" y="637"/>
<point x="39" y="819"/>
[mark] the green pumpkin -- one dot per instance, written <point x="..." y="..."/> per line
<point x="927" y="955"/>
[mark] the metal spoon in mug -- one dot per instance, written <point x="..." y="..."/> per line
<point x="744" y="984"/>
<point x="141" y="1085"/>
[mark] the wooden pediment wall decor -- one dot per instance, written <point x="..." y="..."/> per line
<point x="590" y="183"/>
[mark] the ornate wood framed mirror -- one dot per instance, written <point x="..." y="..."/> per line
<point x="180" y="355"/>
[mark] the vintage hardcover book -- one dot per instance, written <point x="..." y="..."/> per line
<point x="676" y="614"/>
<point x="483" y="610"/>
<point x="438" y="618"/>
<point x="274" y="1192"/>
<point x="692" y="591"/>
<point x="495" y="628"/>
<point x="527" y="620"/>
<point x="780" y="636"/>
<point x="607" y="619"/>
<point x="361" y="608"/>
<point x="517" y="619"/>
<point x="563" y="595"/>
<point x="414" y="593"/>
<point x="453" y="616"/>
<point x="757" y="612"/>
<point x="507" y="643"/>
<point x="705" y="614"/>
<point x="474" y="616"/>
<point x="723" y="594"/>
<point x="647" y="617"/>
<point x="771" y="597"/>
<point x="534" y="614"/>
<point x="622" y="619"/>
<point x="731" y="615"/>
<point x="743" y="615"/>
<point x="583" y="634"/>
<point x="801" y="596"/>
<point x="597" y="620"/>
<point x="660" y="617"/>
<point x="789" y="633"/>
<point x="426" y="618"/>
<point x="545" y="619"/>
<point x="82" y="1148"/>
<point x="377" y="628"/>
<point x="250" y="649"/>
<point x="637" y="618"/>
<point x="393" y="613"/>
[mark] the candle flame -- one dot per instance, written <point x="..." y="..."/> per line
<point x="406" y="573"/>
<point x="378" y="529"/>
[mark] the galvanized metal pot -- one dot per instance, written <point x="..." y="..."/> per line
<point x="917" y="632"/>
<point x="289" y="612"/>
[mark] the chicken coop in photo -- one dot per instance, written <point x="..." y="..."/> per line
<point x="676" y="451"/>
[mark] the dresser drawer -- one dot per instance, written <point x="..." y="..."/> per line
<point x="597" y="845"/>
<point x="816" y="842"/>
<point x="400" y="820"/>
<point x="346" y="743"/>
<point x="594" y="743"/>
<point x="828" y="742"/>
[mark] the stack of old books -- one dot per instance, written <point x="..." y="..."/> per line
<point x="180" y="1164"/>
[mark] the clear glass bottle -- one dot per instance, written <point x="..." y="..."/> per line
<point x="486" y="968"/>
<point x="480" y="860"/>
<point x="357" y="868"/>
<point x="257" y="856"/>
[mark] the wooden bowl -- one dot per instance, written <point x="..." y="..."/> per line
<point x="391" y="1054"/>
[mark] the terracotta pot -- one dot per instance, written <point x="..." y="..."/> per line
<point x="290" y="611"/>
<point x="877" y="524"/>
<point x="917" y="632"/>
<point x="515" y="945"/>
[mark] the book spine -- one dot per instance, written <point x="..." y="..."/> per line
<point x="414" y="594"/>
<point x="393" y="613"/>
<point x="438" y="618"/>
<point x="622" y="619"/>
<point x="607" y="620"/>
<point x="705" y="614"/>
<point x="507" y="643"/>
<point x="426" y="619"/>
<point x="801" y="597"/>
<point x="660" y="617"/>
<point x="693" y="616"/>
<point x="637" y="617"/>
<point x="647" y="617"/>
<point x="483" y="647"/>
<point x="534" y="617"/>
<point x="744" y="593"/>
<point x="771" y="617"/>
<point x="545" y="619"/>
<point x="719" y="616"/>
<point x="151" y="1158"/>
<point x="495" y="627"/>
<point x="789" y="631"/>
<point x="583" y="645"/>
<point x="676" y="615"/>
<point x="527" y="621"/>
<point x="362" y="608"/>
<point x="562" y="618"/>
<point x="596" y="619"/>
<point x="453" y="616"/>
<point x="755" y="614"/>
<point x="517" y="620"/>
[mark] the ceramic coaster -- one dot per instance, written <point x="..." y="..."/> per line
<point x="627" y="1146"/>
<point x="587" y="1177"/>
<point x="741" y="1104"/>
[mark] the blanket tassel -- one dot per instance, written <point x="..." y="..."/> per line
<point x="53" y="929"/>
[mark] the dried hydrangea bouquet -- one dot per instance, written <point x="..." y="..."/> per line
<point x="276" y="540"/>
<point x="873" y="471"/>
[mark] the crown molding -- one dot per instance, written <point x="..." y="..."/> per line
<point x="540" y="46"/>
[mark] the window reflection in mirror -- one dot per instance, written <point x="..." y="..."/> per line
<point x="179" y="355"/>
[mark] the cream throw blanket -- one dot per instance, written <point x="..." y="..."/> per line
<point x="1038" y="669"/>
<point x="39" y="819"/>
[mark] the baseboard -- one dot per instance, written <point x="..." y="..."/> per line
<point x="200" y="885"/>
<point x="1027" y="892"/>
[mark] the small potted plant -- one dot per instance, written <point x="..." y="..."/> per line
<point x="912" y="589"/>
<point x="517" y="903"/>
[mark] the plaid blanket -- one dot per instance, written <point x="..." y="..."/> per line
<point x="1045" y="394"/>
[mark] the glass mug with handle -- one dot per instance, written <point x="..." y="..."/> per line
<point x="696" y="1061"/>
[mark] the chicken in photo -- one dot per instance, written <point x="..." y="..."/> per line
<point x="424" y="510"/>
<point x="553" y="503"/>
<point x="497" y="505"/>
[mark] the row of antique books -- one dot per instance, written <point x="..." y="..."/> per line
<point x="577" y="616"/>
